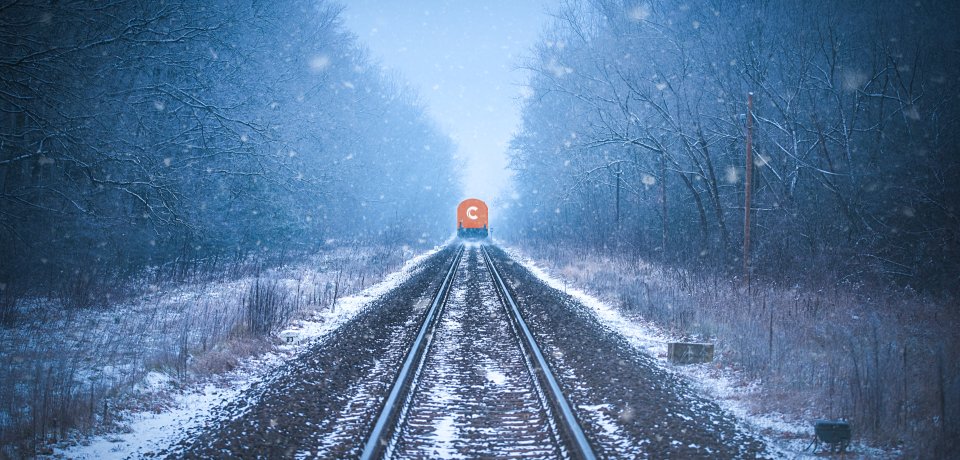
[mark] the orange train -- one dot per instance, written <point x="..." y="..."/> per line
<point x="472" y="219"/>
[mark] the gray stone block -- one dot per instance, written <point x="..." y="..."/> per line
<point x="689" y="353"/>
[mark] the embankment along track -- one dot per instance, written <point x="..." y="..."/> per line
<point x="322" y="403"/>
<point x="628" y="405"/>
<point x="475" y="398"/>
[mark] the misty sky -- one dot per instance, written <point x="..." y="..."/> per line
<point x="461" y="56"/>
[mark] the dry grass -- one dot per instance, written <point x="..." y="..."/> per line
<point x="887" y="360"/>
<point x="66" y="368"/>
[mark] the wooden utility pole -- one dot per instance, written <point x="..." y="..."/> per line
<point x="663" y="205"/>
<point x="748" y="175"/>
<point x="618" y="197"/>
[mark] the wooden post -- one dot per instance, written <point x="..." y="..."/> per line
<point x="663" y="205"/>
<point x="618" y="197"/>
<point x="748" y="175"/>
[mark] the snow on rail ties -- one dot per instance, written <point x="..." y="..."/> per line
<point x="476" y="389"/>
<point x="571" y="428"/>
<point x="391" y="410"/>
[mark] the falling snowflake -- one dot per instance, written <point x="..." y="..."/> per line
<point x="639" y="13"/>
<point x="760" y="160"/>
<point x="854" y="80"/>
<point x="558" y="70"/>
<point x="732" y="175"/>
<point x="319" y="63"/>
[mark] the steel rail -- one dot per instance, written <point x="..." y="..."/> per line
<point x="568" y="420"/>
<point x="379" y="439"/>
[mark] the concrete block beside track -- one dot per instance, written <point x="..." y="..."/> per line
<point x="689" y="352"/>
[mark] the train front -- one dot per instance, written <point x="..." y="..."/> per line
<point x="472" y="219"/>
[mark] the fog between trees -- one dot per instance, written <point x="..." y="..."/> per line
<point x="634" y="136"/>
<point x="135" y="134"/>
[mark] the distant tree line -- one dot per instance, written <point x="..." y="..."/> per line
<point x="634" y="130"/>
<point x="139" y="133"/>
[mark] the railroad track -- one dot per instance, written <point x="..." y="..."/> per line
<point x="475" y="382"/>
<point x="474" y="385"/>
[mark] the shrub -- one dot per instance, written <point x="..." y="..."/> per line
<point x="267" y="307"/>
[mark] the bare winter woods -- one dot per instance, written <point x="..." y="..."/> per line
<point x="162" y="133"/>
<point x="634" y="136"/>
<point x="200" y="173"/>
<point x="633" y="148"/>
<point x="146" y="145"/>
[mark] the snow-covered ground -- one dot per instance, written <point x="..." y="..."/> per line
<point x="166" y="407"/>
<point x="733" y="391"/>
<point x="182" y="410"/>
<point x="188" y="410"/>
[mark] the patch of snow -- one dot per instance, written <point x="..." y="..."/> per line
<point x="154" y="381"/>
<point x="496" y="377"/>
<point x="601" y="415"/>
<point x="444" y="435"/>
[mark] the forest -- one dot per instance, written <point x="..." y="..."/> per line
<point x="635" y="125"/>
<point x="840" y="291"/>
<point x="180" y="181"/>
<point x="167" y="134"/>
